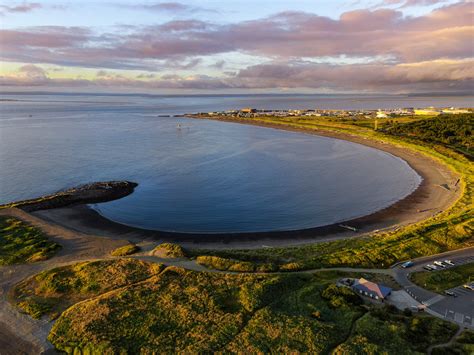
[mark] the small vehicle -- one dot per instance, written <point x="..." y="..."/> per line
<point x="450" y="293"/>
<point x="469" y="286"/>
<point x="439" y="263"/>
<point x="449" y="262"/>
<point x="427" y="267"/>
<point x="434" y="267"/>
<point x="407" y="264"/>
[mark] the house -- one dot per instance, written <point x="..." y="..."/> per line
<point x="371" y="289"/>
<point x="248" y="110"/>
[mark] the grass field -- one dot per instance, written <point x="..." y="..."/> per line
<point x="439" y="281"/>
<point x="21" y="243"/>
<point x="449" y="230"/>
<point x="52" y="291"/>
<point x="186" y="311"/>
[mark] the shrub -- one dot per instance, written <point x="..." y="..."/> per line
<point x="128" y="249"/>
<point x="169" y="250"/>
<point x="340" y="296"/>
<point x="290" y="267"/>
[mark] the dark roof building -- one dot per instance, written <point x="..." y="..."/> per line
<point x="371" y="289"/>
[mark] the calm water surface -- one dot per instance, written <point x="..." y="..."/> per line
<point x="205" y="177"/>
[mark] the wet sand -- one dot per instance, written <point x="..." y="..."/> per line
<point x="429" y="199"/>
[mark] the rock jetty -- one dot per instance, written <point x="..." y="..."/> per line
<point x="90" y="193"/>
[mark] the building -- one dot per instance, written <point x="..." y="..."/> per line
<point x="371" y="289"/>
<point x="248" y="110"/>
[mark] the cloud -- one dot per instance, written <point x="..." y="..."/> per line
<point x="408" y="3"/>
<point x="32" y="71"/>
<point x="382" y="48"/>
<point x="444" y="33"/>
<point x="219" y="64"/>
<point x="167" y="6"/>
<point x="418" y="76"/>
<point x="146" y="76"/>
<point x="171" y="7"/>
<point x="21" y="8"/>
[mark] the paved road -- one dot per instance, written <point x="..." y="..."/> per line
<point x="459" y="309"/>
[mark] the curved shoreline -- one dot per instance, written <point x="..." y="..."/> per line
<point x="427" y="200"/>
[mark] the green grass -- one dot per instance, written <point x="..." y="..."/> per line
<point x="438" y="281"/>
<point x="52" y="291"/>
<point x="194" y="312"/>
<point x="450" y="230"/>
<point x="451" y="131"/>
<point x="21" y="243"/>
<point x="128" y="249"/>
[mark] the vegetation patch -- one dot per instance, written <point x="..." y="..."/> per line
<point x="52" y="291"/>
<point x="169" y="250"/>
<point x="194" y="312"/>
<point x="22" y="243"/>
<point x="386" y="330"/>
<point x="223" y="264"/>
<point x="453" y="131"/>
<point x="463" y="344"/>
<point x="379" y="251"/>
<point x="128" y="249"/>
<point x="438" y="281"/>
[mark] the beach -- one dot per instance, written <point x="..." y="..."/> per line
<point x="436" y="193"/>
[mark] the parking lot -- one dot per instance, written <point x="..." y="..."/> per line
<point x="459" y="307"/>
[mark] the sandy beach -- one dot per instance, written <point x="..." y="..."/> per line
<point x="429" y="199"/>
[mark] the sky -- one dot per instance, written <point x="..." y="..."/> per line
<point x="258" y="46"/>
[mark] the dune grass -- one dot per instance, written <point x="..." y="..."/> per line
<point x="169" y="250"/>
<point x="22" y="243"/>
<point x="52" y="291"/>
<point x="441" y="280"/>
<point x="125" y="250"/>
<point x="194" y="312"/>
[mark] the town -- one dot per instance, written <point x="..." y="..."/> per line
<point x="249" y="112"/>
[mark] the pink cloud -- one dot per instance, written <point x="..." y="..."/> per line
<point x="444" y="33"/>
<point x="21" y="8"/>
<point x="441" y="41"/>
<point x="421" y="76"/>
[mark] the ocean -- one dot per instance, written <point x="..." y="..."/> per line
<point x="203" y="176"/>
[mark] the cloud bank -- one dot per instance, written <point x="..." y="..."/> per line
<point x="422" y="53"/>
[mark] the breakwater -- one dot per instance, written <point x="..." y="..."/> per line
<point x="90" y="193"/>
